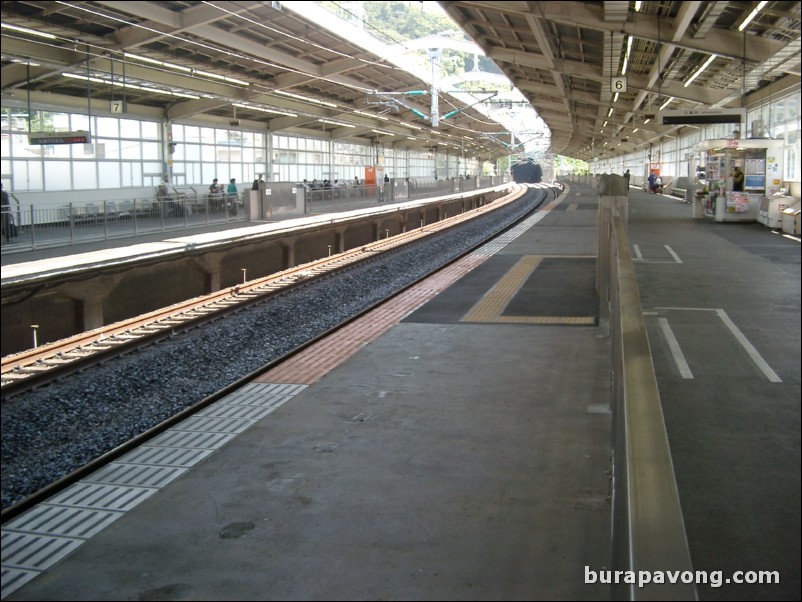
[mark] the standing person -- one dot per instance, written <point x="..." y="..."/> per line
<point x="356" y="180"/>
<point x="232" y="188"/>
<point x="652" y="178"/>
<point x="231" y="193"/>
<point x="9" y="230"/>
<point x="737" y="179"/>
<point x="626" y="178"/>
<point x="215" y="195"/>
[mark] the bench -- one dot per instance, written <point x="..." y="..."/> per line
<point x="681" y="188"/>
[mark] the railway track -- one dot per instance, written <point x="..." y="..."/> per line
<point x="37" y="366"/>
<point x="61" y="447"/>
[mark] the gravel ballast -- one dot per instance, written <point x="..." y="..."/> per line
<point x="51" y="431"/>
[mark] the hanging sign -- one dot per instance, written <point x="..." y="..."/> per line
<point x="618" y="84"/>
<point x="58" y="137"/>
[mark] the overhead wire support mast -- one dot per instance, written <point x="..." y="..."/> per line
<point x="389" y="98"/>
<point x="455" y="111"/>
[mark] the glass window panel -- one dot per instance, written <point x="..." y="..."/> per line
<point x="207" y="153"/>
<point x="84" y="175"/>
<point x="58" y="176"/>
<point x="152" y="169"/>
<point x="111" y="148"/>
<point x="5" y="146"/>
<point x="180" y="152"/>
<point x="129" y="128"/>
<point x="131" y="149"/>
<point x="247" y="155"/>
<point x="61" y="151"/>
<point x="19" y="119"/>
<point x="206" y="135"/>
<point x="27" y="175"/>
<point x="106" y="126"/>
<point x="209" y="172"/>
<point x="151" y="150"/>
<point x="259" y="140"/>
<point x="150" y="130"/>
<point x="195" y="177"/>
<point x="109" y="172"/>
<point x="177" y="131"/>
<point x="191" y="133"/>
<point x="83" y="151"/>
<point x="52" y="121"/>
<point x="80" y="123"/>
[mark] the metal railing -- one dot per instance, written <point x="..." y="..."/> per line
<point x="75" y="223"/>
<point x="648" y="527"/>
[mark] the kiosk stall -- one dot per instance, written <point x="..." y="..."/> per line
<point x="761" y="162"/>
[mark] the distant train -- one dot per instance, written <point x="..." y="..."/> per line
<point x="527" y="173"/>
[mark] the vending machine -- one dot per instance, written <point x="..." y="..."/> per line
<point x="761" y="162"/>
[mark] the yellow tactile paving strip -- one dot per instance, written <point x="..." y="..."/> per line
<point x="491" y="306"/>
<point x="315" y="361"/>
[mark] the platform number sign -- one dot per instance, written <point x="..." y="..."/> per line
<point x="618" y="85"/>
<point x="117" y="106"/>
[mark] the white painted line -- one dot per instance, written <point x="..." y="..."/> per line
<point x="638" y="255"/>
<point x="689" y="308"/>
<point x="679" y="358"/>
<point x="748" y="347"/>
<point x="674" y="255"/>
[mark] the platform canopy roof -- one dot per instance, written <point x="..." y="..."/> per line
<point x="244" y="63"/>
<point x="600" y="71"/>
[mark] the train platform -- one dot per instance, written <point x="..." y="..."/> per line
<point x="455" y="445"/>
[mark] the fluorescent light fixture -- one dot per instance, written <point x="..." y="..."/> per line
<point x="752" y="15"/>
<point x="33" y="32"/>
<point x="144" y="59"/>
<point x="610" y="112"/>
<point x="306" y="98"/>
<point x="131" y="86"/>
<point x="224" y="78"/>
<point x="626" y="56"/>
<point x="409" y="125"/>
<point x="373" y="115"/>
<point x="635" y="130"/>
<point x="253" y="108"/>
<point x="411" y="138"/>
<point x="638" y="4"/>
<point x="615" y="98"/>
<point x="22" y="62"/>
<point x="604" y="125"/>
<point x="88" y="79"/>
<point x="340" y="123"/>
<point x="665" y="104"/>
<point x="178" y="67"/>
<point x="199" y="72"/>
<point x="647" y="121"/>
<point x="383" y="133"/>
<point x="702" y="68"/>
